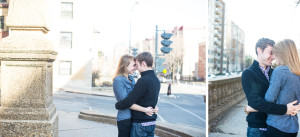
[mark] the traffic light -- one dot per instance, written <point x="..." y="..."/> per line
<point x="166" y="43"/>
<point x="134" y="53"/>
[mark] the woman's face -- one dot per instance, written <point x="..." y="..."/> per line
<point x="131" y="67"/>
<point x="277" y="60"/>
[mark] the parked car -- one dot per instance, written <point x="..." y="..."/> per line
<point x="162" y="79"/>
<point x="211" y="76"/>
<point x="227" y="74"/>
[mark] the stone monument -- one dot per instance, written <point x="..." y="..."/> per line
<point x="27" y="57"/>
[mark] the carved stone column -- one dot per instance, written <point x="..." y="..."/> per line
<point x="26" y="73"/>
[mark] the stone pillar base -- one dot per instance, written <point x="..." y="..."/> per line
<point x="29" y="128"/>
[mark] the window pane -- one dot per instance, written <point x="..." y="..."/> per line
<point x="67" y="10"/>
<point x="66" y="40"/>
<point x="1" y="22"/>
<point x="65" y="67"/>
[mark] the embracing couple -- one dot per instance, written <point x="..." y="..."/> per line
<point x="136" y="101"/>
<point x="272" y="94"/>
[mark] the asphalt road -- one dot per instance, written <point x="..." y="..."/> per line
<point x="185" y="109"/>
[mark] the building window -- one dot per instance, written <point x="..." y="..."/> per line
<point x="2" y="22"/>
<point x="67" y="10"/>
<point x="3" y="1"/>
<point x="66" y="40"/>
<point x="65" y="68"/>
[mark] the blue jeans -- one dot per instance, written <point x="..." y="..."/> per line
<point x="256" y="132"/>
<point x="137" y="130"/>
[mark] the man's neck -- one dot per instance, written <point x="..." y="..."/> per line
<point x="260" y="63"/>
<point x="147" y="69"/>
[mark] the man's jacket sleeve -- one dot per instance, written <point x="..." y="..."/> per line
<point x="252" y="89"/>
<point x="137" y="92"/>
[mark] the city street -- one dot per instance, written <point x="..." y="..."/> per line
<point x="185" y="109"/>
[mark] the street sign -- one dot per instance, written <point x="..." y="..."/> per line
<point x="164" y="71"/>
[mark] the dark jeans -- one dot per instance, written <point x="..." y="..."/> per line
<point x="124" y="127"/>
<point x="274" y="132"/>
<point x="255" y="132"/>
<point x="137" y="130"/>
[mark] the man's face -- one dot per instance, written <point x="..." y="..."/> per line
<point x="266" y="56"/>
<point x="277" y="61"/>
<point x="138" y="66"/>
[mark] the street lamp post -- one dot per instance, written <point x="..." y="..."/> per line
<point x="135" y="3"/>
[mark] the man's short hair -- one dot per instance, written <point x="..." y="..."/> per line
<point x="263" y="43"/>
<point x="145" y="56"/>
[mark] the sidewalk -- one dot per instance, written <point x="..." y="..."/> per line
<point x="71" y="126"/>
<point x="175" y="88"/>
<point x="233" y="124"/>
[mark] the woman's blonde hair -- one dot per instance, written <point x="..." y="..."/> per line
<point x="123" y="64"/>
<point x="286" y="51"/>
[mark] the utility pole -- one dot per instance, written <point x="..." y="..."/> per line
<point x="155" y="49"/>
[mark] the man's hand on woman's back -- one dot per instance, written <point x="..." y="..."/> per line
<point x="291" y="109"/>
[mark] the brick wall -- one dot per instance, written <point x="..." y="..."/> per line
<point x="202" y="61"/>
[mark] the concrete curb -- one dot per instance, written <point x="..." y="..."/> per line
<point x="95" y="93"/>
<point x="162" y="129"/>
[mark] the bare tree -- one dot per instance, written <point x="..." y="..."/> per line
<point x="174" y="59"/>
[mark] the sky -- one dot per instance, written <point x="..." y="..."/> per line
<point x="112" y="18"/>
<point x="274" y="19"/>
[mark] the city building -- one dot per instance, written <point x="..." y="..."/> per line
<point x="216" y="21"/>
<point x="84" y="60"/>
<point x="191" y="39"/>
<point x="226" y="41"/>
<point x="73" y="37"/>
<point x="3" y="15"/>
<point x="4" y="30"/>
<point x="201" y="73"/>
<point x="234" y="49"/>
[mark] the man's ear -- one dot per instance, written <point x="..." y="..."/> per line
<point x="144" y="64"/>
<point x="259" y="50"/>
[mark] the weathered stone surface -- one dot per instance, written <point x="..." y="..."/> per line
<point x="223" y="94"/>
<point x="29" y="128"/>
<point x="27" y="57"/>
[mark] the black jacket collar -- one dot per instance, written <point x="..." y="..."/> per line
<point x="256" y="69"/>
<point x="147" y="72"/>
